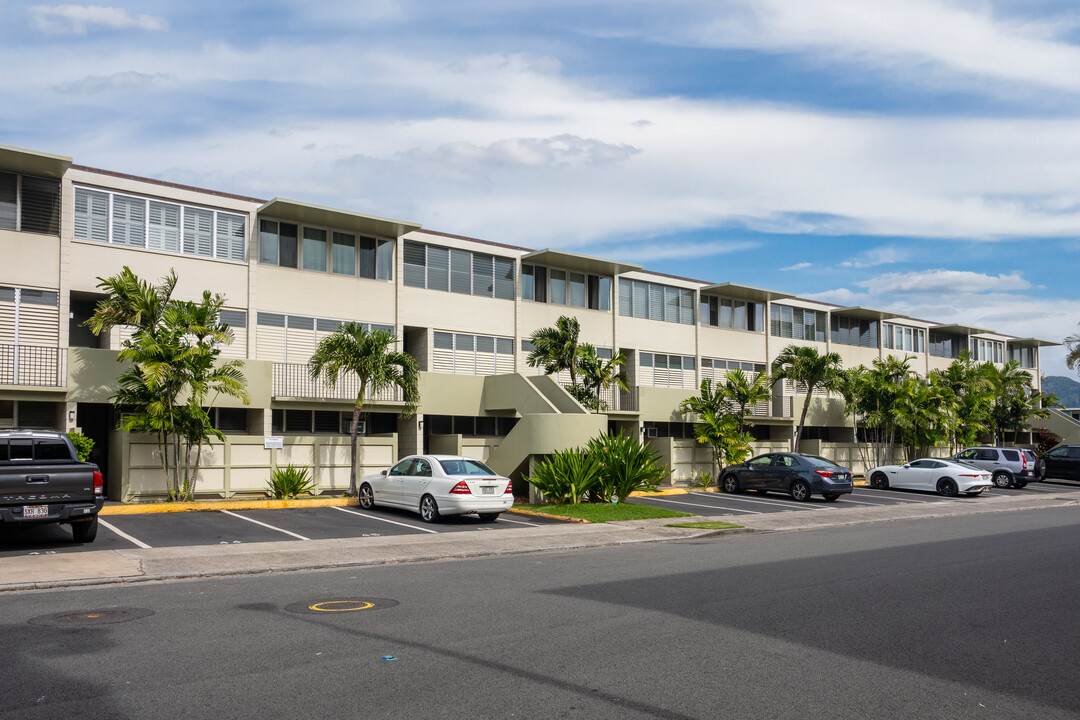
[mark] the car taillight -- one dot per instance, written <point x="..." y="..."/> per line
<point x="825" y="473"/>
<point x="1024" y="458"/>
<point x="462" y="488"/>
<point x="509" y="488"/>
<point x="99" y="482"/>
<point x="962" y="475"/>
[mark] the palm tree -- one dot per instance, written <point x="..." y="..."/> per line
<point x="806" y="367"/>
<point x="744" y="394"/>
<point x="367" y="354"/>
<point x="1014" y="404"/>
<point x="556" y="348"/>
<point x="131" y="301"/>
<point x="598" y="374"/>
<point x="1072" y="344"/>
<point x="711" y="398"/>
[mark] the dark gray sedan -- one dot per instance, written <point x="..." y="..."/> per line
<point x="799" y="475"/>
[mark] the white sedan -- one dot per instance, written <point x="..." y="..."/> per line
<point x="947" y="477"/>
<point x="437" y="485"/>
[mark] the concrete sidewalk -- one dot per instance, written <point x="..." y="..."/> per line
<point x="140" y="565"/>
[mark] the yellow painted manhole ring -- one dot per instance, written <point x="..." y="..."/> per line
<point x="340" y="605"/>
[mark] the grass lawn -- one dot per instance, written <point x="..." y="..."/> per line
<point x="706" y="525"/>
<point x="605" y="512"/>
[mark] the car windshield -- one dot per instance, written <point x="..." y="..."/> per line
<point x="818" y="461"/>
<point x="466" y="467"/>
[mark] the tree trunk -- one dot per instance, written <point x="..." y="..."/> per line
<point x="802" y="421"/>
<point x="352" y="453"/>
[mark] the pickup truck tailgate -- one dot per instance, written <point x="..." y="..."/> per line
<point x="42" y="483"/>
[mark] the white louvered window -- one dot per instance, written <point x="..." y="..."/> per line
<point x="656" y="302"/>
<point x="164" y="227"/>
<point x="230" y="238"/>
<point x="466" y="354"/>
<point x="128" y="221"/>
<point x="198" y="232"/>
<point x="91" y="215"/>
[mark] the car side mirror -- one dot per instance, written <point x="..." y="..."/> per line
<point x="907" y="465"/>
<point x="383" y="472"/>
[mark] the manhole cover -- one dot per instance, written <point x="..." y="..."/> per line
<point x="87" y="618"/>
<point x="340" y="605"/>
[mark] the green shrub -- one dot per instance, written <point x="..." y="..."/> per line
<point x="703" y="479"/>
<point x="625" y="466"/>
<point x="287" y="482"/>
<point x="83" y="445"/>
<point x="566" y="475"/>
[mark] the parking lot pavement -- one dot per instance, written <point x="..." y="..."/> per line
<point x="755" y="503"/>
<point x="236" y="527"/>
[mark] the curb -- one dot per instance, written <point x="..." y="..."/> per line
<point x="226" y="505"/>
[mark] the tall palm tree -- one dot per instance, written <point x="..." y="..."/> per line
<point x="1072" y="344"/>
<point x="598" y="374"/>
<point x="556" y="348"/>
<point x="1014" y="404"/>
<point x="368" y="355"/>
<point x="744" y="394"/>
<point x="806" y="367"/>
<point x="131" y="301"/>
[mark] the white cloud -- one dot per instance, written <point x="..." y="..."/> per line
<point x="121" y="80"/>
<point x="797" y="266"/>
<point x="648" y="251"/>
<point x="886" y="255"/>
<point x="78" y="19"/>
<point x="943" y="281"/>
<point x="840" y="296"/>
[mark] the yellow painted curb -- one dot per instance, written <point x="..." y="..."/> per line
<point x="226" y="505"/>
<point x="534" y="513"/>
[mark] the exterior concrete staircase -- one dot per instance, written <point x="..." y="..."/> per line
<point x="1064" y="426"/>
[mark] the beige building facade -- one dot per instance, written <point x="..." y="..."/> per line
<point x="464" y="308"/>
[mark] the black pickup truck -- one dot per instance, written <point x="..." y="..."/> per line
<point x="43" y="481"/>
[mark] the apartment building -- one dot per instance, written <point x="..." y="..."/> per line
<point x="463" y="307"/>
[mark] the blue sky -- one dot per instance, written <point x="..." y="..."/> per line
<point x="916" y="155"/>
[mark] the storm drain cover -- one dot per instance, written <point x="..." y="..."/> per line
<point x="88" y="618"/>
<point x="340" y="605"/>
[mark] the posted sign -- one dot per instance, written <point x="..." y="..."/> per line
<point x="272" y="442"/>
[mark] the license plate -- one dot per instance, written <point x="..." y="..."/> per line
<point x="32" y="511"/>
<point x="487" y="491"/>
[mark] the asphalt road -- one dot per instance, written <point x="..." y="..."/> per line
<point x="962" y="617"/>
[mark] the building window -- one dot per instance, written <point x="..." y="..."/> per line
<point x="898" y="337"/>
<point x="466" y="354"/>
<point x="459" y="271"/>
<point x="1026" y="356"/>
<point x="730" y="313"/>
<point x="855" y="332"/>
<point x="313" y="250"/>
<point x="797" y="323"/>
<point x="662" y="370"/>
<point x="987" y="350"/>
<point x="156" y="225"/>
<point x="655" y="302"/>
<point x="343" y="254"/>
<point x="565" y="287"/>
<point x="29" y="204"/>
<point x="946" y="345"/>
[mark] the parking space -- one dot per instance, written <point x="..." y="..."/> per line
<point x="232" y="527"/>
<point x="756" y="503"/>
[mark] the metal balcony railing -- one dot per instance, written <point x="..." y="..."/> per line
<point x="293" y="380"/>
<point x="32" y="365"/>
<point x="614" y="400"/>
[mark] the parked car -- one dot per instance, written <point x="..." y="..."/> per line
<point x="437" y="485"/>
<point x="1063" y="462"/>
<point x="946" y="477"/>
<point x="1036" y="462"/>
<point x="1008" y="467"/>
<point x="799" y="475"/>
<point x="43" y="481"/>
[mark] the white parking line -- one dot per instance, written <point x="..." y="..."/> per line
<point x="739" y="498"/>
<point x="518" y="522"/>
<point x="896" y="496"/>
<point x="123" y="534"/>
<point x="711" y="507"/>
<point x="265" y="525"/>
<point x="847" y="499"/>
<point x="392" y="522"/>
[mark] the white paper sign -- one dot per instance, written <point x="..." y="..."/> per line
<point x="272" y="442"/>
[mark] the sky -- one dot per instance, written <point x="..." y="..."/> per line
<point x="921" y="156"/>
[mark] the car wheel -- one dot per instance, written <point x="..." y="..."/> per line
<point x="731" y="484"/>
<point x="947" y="487"/>
<point x="879" y="481"/>
<point x="1001" y="479"/>
<point x="429" y="509"/>
<point x="800" y="491"/>
<point x="84" y="531"/>
<point x="488" y="517"/>
<point x="831" y="497"/>
<point x="367" y="497"/>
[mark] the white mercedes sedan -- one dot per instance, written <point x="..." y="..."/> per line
<point x="946" y="477"/>
<point x="437" y="485"/>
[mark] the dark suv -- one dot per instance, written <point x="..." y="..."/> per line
<point x="1063" y="462"/>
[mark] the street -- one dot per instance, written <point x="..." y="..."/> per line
<point x="949" y="617"/>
